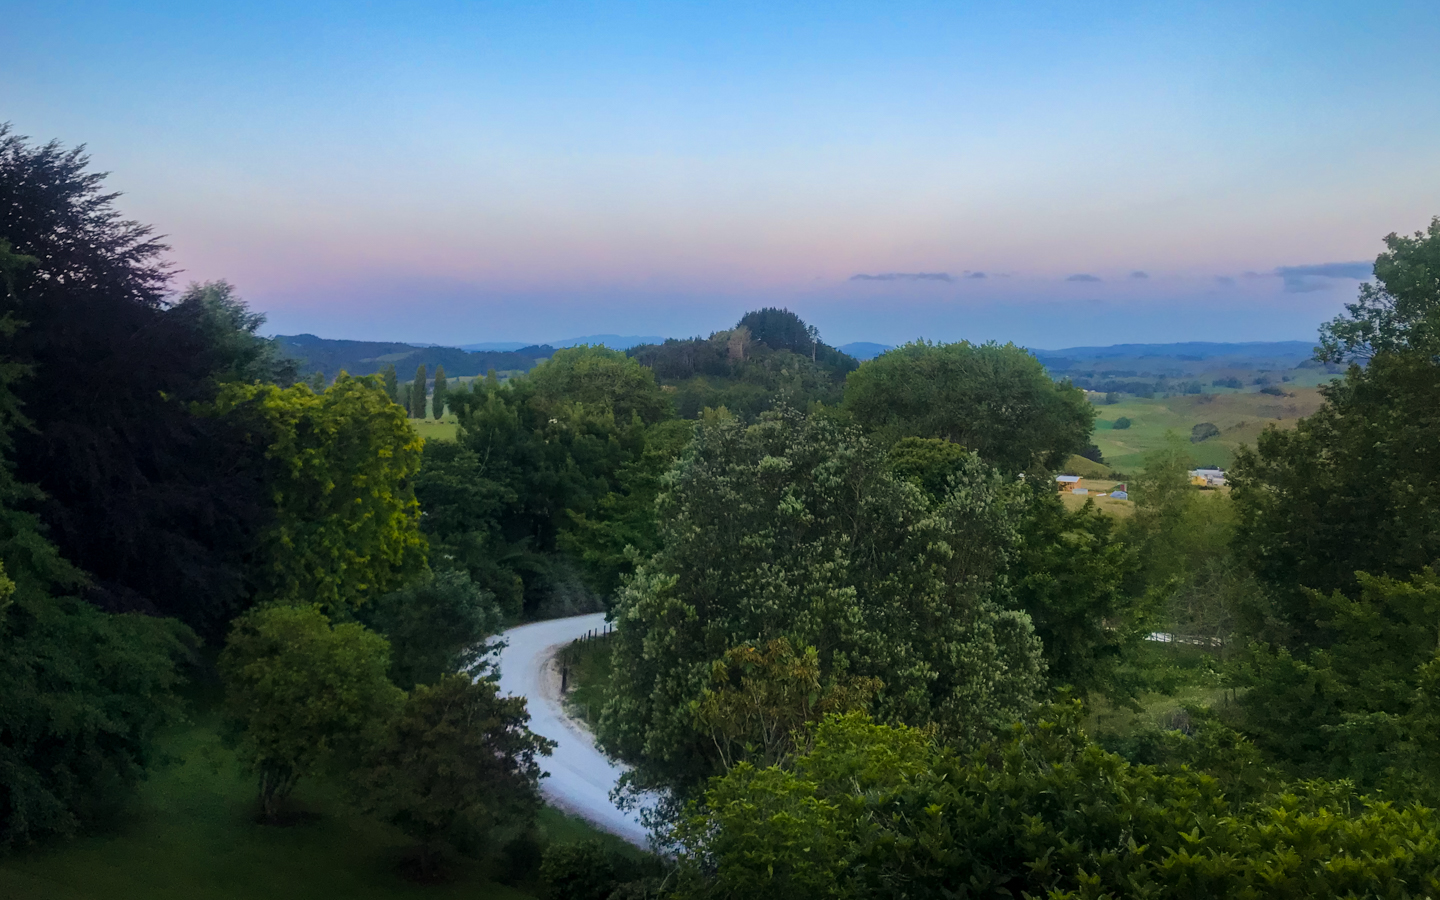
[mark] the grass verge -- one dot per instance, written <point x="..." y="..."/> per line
<point x="190" y="835"/>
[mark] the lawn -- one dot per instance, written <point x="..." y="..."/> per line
<point x="1240" y="415"/>
<point x="190" y="836"/>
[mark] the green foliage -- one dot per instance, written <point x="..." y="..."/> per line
<point x="160" y="503"/>
<point x="305" y="694"/>
<point x="588" y="870"/>
<point x="759" y="701"/>
<point x="82" y="695"/>
<point x="1348" y="710"/>
<point x="995" y="400"/>
<point x="230" y="330"/>
<point x="455" y="763"/>
<point x="1070" y="576"/>
<point x="622" y="526"/>
<point x="780" y="329"/>
<point x="568" y="458"/>
<point x="929" y="463"/>
<point x="346" y="521"/>
<point x="748" y="372"/>
<point x="600" y="379"/>
<point x="1352" y="488"/>
<point x="1121" y="424"/>
<point x="1204" y="432"/>
<point x="1397" y="313"/>
<point x="391" y="379"/>
<point x="879" y="811"/>
<point x="437" y="404"/>
<point x="436" y="626"/>
<point x="795" y="527"/>
<point x="417" y="394"/>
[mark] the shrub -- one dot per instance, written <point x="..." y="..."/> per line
<point x="1203" y="432"/>
<point x="1121" y="423"/>
<point x="1272" y="391"/>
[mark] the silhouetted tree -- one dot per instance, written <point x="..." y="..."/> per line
<point x="438" y="404"/>
<point x="392" y="382"/>
<point x="417" y="394"/>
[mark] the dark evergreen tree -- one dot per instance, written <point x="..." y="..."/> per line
<point x="159" y="504"/>
<point x="417" y="394"/>
<point x="438" y="403"/>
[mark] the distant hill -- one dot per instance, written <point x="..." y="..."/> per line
<point x="1189" y="350"/>
<point x="613" y="341"/>
<point x="863" y="350"/>
<point x="368" y="357"/>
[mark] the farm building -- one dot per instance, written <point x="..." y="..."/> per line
<point x="1210" y="477"/>
<point x="1068" y="483"/>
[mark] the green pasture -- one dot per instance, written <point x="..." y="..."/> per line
<point x="1240" y="415"/>
<point x="191" y="836"/>
<point x="445" y="429"/>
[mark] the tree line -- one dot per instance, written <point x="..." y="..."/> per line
<point x="170" y="485"/>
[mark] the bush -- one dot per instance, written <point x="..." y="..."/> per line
<point x="521" y="857"/>
<point x="1121" y="423"/>
<point x="1272" y="391"/>
<point x="1092" y="453"/>
<point x="1231" y="382"/>
<point x="590" y="871"/>
<point x="1204" y="432"/>
<point x="1043" y="813"/>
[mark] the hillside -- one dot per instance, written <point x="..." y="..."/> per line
<point x="1240" y="416"/>
<point x="368" y="357"/>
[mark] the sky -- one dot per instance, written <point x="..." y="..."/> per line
<point x="1055" y="174"/>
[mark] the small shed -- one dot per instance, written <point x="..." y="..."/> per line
<point x="1068" y="482"/>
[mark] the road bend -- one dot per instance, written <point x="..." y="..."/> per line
<point x="580" y="776"/>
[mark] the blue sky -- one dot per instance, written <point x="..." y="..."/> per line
<point x="459" y="172"/>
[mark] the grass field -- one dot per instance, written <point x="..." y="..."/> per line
<point x="190" y="836"/>
<point x="589" y="678"/>
<point x="1240" y="415"/>
<point x="431" y="430"/>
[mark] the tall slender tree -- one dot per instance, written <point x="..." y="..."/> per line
<point x="417" y="394"/>
<point x="392" y="383"/>
<point x="438" y="404"/>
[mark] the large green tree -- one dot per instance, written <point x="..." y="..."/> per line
<point x="1398" y="312"/>
<point x="1068" y="573"/>
<point x="306" y="694"/>
<point x="996" y="400"/>
<point x="160" y="503"/>
<point x="457" y="763"/>
<point x="1356" y="486"/>
<point x="561" y="450"/>
<point x="795" y="528"/>
<point x="82" y="692"/>
<point x="346" y="523"/>
<point x="438" y="625"/>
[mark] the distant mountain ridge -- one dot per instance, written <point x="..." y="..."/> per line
<point x="368" y="357"/>
<point x="1200" y="349"/>
<point x="613" y="341"/>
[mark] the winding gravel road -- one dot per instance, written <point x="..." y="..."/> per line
<point x="581" y="777"/>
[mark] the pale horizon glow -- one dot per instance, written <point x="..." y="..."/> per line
<point x="455" y="173"/>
